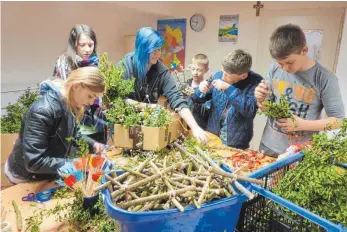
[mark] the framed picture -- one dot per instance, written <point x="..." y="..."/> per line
<point x="174" y="34"/>
<point x="228" y="28"/>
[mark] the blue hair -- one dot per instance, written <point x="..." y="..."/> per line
<point x="147" y="40"/>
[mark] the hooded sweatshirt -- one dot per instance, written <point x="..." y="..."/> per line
<point x="158" y="82"/>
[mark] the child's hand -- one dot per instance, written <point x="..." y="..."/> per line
<point x="98" y="148"/>
<point x="220" y="85"/>
<point x="203" y="87"/>
<point x="290" y="125"/>
<point x="261" y="91"/>
<point x="200" y="134"/>
<point x="189" y="91"/>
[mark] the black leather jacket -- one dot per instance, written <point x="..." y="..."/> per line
<point x="41" y="147"/>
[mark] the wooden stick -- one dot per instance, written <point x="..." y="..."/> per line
<point x="231" y="189"/>
<point x="112" y="180"/>
<point x="108" y="183"/>
<point x="155" y="197"/>
<point x="204" y="190"/>
<point x="133" y="172"/>
<point x="169" y="186"/>
<point x="139" y="169"/>
<point x="217" y="170"/>
<point x="121" y="177"/>
<point x="244" y="190"/>
<point x="186" y="154"/>
<point x="147" y="180"/>
<point x="18" y="216"/>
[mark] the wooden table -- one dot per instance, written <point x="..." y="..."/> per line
<point x="27" y="209"/>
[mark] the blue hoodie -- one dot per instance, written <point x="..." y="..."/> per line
<point x="158" y="82"/>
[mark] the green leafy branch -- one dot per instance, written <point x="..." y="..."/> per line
<point x="116" y="86"/>
<point x="76" y="215"/>
<point x="127" y="115"/>
<point x="11" y="122"/>
<point x="317" y="183"/>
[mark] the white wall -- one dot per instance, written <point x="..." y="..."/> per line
<point x="206" y="41"/>
<point x="34" y="34"/>
<point x="341" y="70"/>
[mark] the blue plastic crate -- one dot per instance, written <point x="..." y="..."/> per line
<point x="264" y="214"/>
<point x="314" y="218"/>
<point x="217" y="216"/>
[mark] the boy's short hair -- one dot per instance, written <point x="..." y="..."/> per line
<point x="201" y="59"/>
<point x="237" y="62"/>
<point x="286" y="40"/>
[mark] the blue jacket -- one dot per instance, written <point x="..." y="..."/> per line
<point x="240" y="114"/>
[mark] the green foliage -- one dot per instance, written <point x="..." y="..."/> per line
<point x="82" y="148"/>
<point x="127" y="115"/>
<point x="62" y="192"/>
<point x="78" y="217"/>
<point x="277" y="110"/>
<point x="317" y="184"/>
<point x="123" y="113"/>
<point x="156" y="117"/>
<point x="11" y="122"/>
<point x="190" y="142"/>
<point x="116" y="87"/>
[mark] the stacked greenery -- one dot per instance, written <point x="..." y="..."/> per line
<point x="127" y="115"/>
<point x="317" y="183"/>
<point x="277" y="110"/>
<point x="116" y="86"/>
<point x="76" y="215"/>
<point x="120" y="112"/>
<point x="11" y="122"/>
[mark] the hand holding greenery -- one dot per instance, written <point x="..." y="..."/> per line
<point x="317" y="183"/>
<point x="277" y="110"/>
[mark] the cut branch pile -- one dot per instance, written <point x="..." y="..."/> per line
<point x="174" y="180"/>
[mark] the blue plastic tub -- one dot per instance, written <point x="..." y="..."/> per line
<point x="217" y="216"/>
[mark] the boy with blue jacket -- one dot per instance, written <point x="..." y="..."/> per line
<point x="233" y="104"/>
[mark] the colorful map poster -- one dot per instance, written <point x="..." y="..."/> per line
<point x="174" y="34"/>
<point x="228" y="28"/>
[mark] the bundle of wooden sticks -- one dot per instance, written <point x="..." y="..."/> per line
<point x="175" y="180"/>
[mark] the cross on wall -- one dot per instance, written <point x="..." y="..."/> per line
<point x="257" y="7"/>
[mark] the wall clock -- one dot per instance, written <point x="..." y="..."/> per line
<point x="197" y="22"/>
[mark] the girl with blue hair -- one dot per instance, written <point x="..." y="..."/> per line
<point x="153" y="79"/>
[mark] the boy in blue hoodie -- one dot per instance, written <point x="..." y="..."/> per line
<point x="233" y="105"/>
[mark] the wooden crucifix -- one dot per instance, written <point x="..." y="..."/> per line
<point x="258" y="6"/>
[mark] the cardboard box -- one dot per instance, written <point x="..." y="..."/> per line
<point x="7" y="143"/>
<point x="5" y="183"/>
<point x="147" y="138"/>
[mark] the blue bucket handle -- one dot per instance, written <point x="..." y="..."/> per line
<point x="331" y="227"/>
